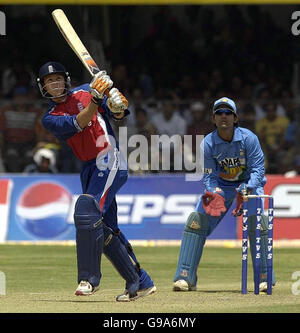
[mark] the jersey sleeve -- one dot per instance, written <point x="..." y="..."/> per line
<point x="62" y="126"/>
<point x="210" y="178"/>
<point x="255" y="161"/>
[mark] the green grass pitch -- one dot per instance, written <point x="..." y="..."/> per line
<point x="42" y="279"/>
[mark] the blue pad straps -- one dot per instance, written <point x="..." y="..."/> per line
<point x="89" y="239"/>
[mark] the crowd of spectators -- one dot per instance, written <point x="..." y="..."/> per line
<point x="171" y="80"/>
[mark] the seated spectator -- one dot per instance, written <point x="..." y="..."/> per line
<point x="46" y="140"/>
<point x="17" y="123"/>
<point x="142" y="125"/>
<point x="271" y="131"/>
<point x="169" y="121"/>
<point x="136" y="101"/>
<point x="18" y="74"/>
<point x="290" y="147"/>
<point x="44" y="162"/>
<point x="200" y="124"/>
<point x="145" y="128"/>
<point x="247" y="117"/>
<point x="264" y="98"/>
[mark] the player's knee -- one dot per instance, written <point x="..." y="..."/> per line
<point x="87" y="214"/>
<point x="197" y="223"/>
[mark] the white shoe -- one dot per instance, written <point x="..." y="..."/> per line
<point x="182" y="285"/>
<point x="124" y="297"/>
<point x="85" y="288"/>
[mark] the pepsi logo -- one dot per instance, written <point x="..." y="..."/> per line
<point x="43" y="208"/>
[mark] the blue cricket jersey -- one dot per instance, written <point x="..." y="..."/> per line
<point x="235" y="162"/>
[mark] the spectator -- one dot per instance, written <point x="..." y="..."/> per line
<point x="17" y="123"/>
<point x="247" y="117"/>
<point x="169" y="121"/>
<point x="271" y="131"/>
<point x="136" y="101"/>
<point x="19" y="74"/>
<point x="44" y="162"/>
<point x="290" y="147"/>
<point x="145" y="128"/>
<point x="265" y="97"/>
<point x="201" y="124"/>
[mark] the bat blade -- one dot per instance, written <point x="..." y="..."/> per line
<point x="74" y="41"/>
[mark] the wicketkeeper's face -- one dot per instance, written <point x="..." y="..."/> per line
<point x="54" y="84"/>
<point x="224" y="118"/>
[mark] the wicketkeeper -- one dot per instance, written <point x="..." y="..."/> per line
<point x="80" y="116"/>
<point x="233" y="167"/>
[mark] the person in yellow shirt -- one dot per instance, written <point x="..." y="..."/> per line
<point x="271" y="131"/>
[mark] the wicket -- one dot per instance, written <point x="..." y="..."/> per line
<point x="257" y="253"/>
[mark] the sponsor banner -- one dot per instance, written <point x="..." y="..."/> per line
<point x="286" y="193"/>
<point x="40" y="208"/>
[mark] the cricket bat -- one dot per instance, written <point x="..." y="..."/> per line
<point x="74" y="41"/>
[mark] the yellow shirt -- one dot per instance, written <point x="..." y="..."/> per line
<point x="272" y="132"/>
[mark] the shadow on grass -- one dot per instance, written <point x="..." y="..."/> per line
<point x="219" y="291"/>
<point x="70" y="301"/>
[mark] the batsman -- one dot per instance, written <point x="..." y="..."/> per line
<point x="233" y="167"/>
<point x="81" y="117"/>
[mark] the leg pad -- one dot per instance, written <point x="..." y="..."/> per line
<point x="193" y="240"/>
<point x="89" y="239"/>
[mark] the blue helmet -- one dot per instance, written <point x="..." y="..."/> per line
<point x="52" y="67"/>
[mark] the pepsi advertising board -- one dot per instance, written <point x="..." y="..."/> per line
<point x="41" y="207"/>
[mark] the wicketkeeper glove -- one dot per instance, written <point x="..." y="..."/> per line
<point x="100" y="84"/>
<point x="214" y="202"/>
<point x="242" y="190"/>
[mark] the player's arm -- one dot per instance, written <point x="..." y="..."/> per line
<point x="114" y="104"/>
<point x="61" y="126"/>
<point x="210" y="178"/>
<point x="255" y="162"/>
<point x="86" y="115"/>
<point x="213" y="200"/>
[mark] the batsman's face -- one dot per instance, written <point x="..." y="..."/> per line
<point x="54" y="84"/>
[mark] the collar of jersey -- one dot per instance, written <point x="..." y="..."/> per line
<point x="237" y="136"/>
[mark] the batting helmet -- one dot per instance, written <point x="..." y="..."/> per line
<point x="52" y="67"/>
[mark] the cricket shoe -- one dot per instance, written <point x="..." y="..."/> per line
<point x="85" y="289"/>
<point x="182" y="285"/>
<point x="125" y="297"/>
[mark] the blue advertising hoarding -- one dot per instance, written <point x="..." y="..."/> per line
<point x="150" y="207"/>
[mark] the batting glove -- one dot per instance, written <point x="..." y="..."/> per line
<point x="117" y="102"/>
<point x="100" y="84"/>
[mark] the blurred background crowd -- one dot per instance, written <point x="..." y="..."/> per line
<point x="171" y="62"/>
